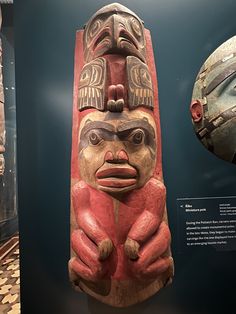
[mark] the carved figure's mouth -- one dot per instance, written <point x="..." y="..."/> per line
<point x="112" y="175"/>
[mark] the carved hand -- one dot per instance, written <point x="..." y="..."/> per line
<point x="88" y="262"/>
<point x="153" y="257"/>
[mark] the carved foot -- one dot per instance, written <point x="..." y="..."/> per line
<point x="87" y="263"/>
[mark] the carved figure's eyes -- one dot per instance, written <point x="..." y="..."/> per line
<point x="137" y="137"/>
<point x="136" y="27"/>
<point x="94" y="28"/>
<point x="94" y="138"/>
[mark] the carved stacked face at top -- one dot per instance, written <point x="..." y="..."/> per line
<point x="114" y="29"/>
<point x="213" y="107"/>
<point x="117" y="141"/>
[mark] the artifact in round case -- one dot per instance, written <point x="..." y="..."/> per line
<point x="213" y="106"/>
<point x="119" y="230"/>
<point x="2" y="120"/>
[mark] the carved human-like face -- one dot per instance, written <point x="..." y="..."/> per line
<point x="117" y="150"/>
<point x="114" y="29"/>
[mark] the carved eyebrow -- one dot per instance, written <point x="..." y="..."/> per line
<point x="97" y="125"/>
<point x="141" y="123"/>
<point x="126" y="126"/>
<point x="228" y="72"/>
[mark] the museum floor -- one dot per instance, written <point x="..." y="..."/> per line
<point x="10" y="277"/>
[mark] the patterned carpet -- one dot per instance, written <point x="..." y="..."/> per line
<point x="10" y="280"/>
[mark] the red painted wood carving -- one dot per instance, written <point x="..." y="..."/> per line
<point x="120" y="236"/>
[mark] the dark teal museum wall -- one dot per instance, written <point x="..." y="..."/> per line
<point x="184" y="34"/>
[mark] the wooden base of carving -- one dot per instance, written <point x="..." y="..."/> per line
<point x="115" y="292"/>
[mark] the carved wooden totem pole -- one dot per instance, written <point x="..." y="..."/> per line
<point x="2" y="120"/>
<point x="213" y="106"/>
<point x="120" y="236"/>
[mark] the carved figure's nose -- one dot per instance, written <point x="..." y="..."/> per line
<point x="120" y="157"/>
<point x="109" y="156"/>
